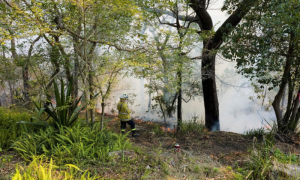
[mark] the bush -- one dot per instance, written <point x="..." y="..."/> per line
<point x="70" y="145"/>
<point x="38" y="169"/>
<point x="10" y="129"/>
<point x="67" y="109"/>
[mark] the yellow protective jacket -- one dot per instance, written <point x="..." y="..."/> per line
<point x="124" y="112"/>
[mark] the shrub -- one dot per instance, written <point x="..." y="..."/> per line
<point x="68" y="145"/>
<point x="10" y="128"/>
<point x="67" y="109"/>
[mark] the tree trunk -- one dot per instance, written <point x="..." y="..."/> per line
<point x="25" y="83"/>
<point x="91" y="89"/>
<point x="285" y="77"/>
<point x="75" y="77"/>
<point x="11" y="89"/>
<point x="179" y="100"/>
<point x="205" y="23"/>
<point x="15" y="56"/>
<point x="211" y="103"/>
<point x="66" y="57"/>
<point x="48" y="96"/>
<point x="283" y="99"/>
<point x="76" y="60"/>
<point x="278" y="97"/>
<point x="102" y="114"/>
<point x="293" y="120"/>
<point x="87" y="100"/>
<point x="54" y="56"/>
<point x="285" y="119"/>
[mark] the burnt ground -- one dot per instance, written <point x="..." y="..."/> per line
<point x="228" y="148"/>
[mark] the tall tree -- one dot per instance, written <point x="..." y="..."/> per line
<point x="266" y="48"/>
<point x="89" y="24"/>
<point x="170" y="68"/>
<point x="212" y="42"/>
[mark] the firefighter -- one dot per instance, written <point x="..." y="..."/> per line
<point x="124" y="115"/>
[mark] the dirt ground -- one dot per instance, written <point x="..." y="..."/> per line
<point x="227" y="148"/>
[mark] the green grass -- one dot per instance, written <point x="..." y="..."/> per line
<point x="262" y="159"/>
<point x="258" y="133"/>
<point x="195" y="125"/>
<point x="286" y="158"/>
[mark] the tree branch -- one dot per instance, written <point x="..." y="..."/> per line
<point x="232" y="21"/>
<point x="8" y="3"/>
<point x="190" y="18"/>
<point x="180" y="17"/>
<point x="95" y="41"/>
<point x="31" y="47"/>
<point x="204" y="17"/>
<point x="197" y="57"/>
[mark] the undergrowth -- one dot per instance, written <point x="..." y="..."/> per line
<point x="10" y="129"/>
<point x="258" y="133"/>
<point x="264" y="156"/>
<point x="194" y="125"/>
<point x="41" y="169"/>
<point x="71" y="144"/>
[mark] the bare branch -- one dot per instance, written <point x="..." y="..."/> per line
<point x="101" y="42"/>
<point x="194" y="58"/>
<point x="51" y="80"/>
<point x="233" y="20"/>
<point x="48" y="40"/>
<point x="8" y="3"/>
<point x="223" y="82"/>
<point x="180" y="17"/>
<point x="31" y="46"/>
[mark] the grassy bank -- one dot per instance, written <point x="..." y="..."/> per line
<point x="84" y="152"/>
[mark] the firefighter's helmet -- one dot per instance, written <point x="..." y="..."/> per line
<point x="124" y="96"/>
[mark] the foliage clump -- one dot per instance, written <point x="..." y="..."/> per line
<point x="39" y="169"/>
<point x="10" y="129"/>
<point x="69" y="145"/>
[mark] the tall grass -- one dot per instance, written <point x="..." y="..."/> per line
<point x="260" y="162"/>
<point x="71" y="144"/>
<point x="258" y="133"/>
<point x="194" y="125"/>
<point x="264" y="156"/>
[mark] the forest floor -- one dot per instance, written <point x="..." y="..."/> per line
<point x="203" y="155"/>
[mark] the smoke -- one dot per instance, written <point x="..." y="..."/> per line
<point x="237" y="112"/>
